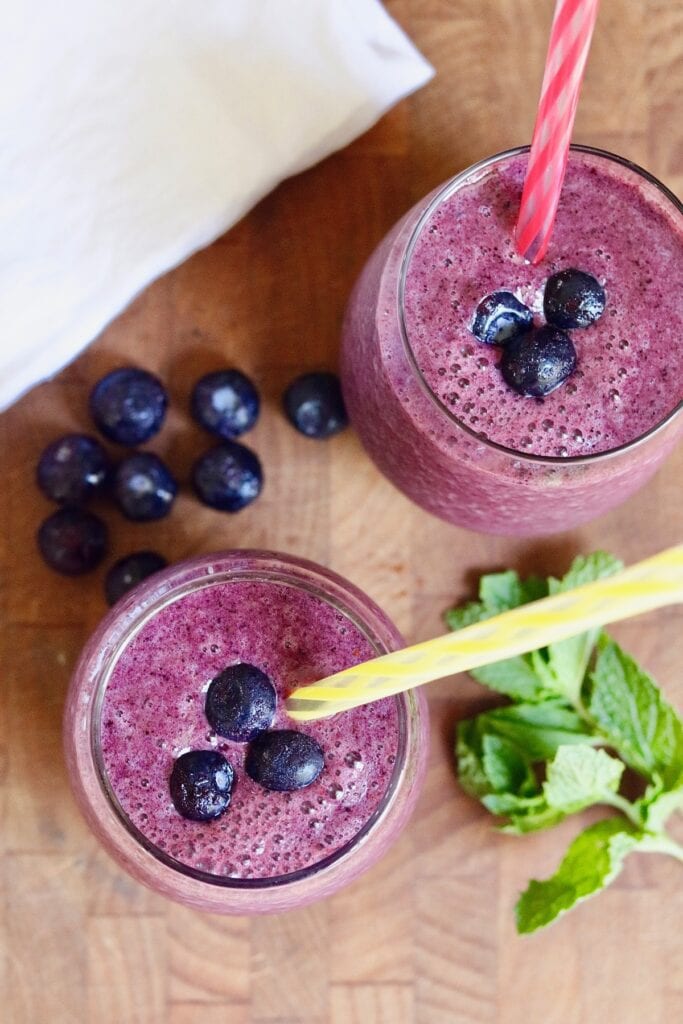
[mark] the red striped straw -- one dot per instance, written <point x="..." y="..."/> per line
<point x="570" y="39"/>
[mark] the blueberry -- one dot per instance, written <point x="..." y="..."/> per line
<point x="225" y="403"/>
<point x="240" y="702"/>
<point x="200" y="784"/>
<point x="315" y="406"/>
<point x="573" y="298"/>
<point x="129" y="571"/>
<point x="144" y="487"/>
<point x="499" y="317"/>
<point x="73" y="469"/>
<point x="284" y="759"/>
<point x="538" y="362"/>
<point x="227" y="477"/>
<point x="72" y="541"/>
<point x="128" y="405"/>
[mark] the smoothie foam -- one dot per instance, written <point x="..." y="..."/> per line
<point x="630" y="363"/>
<point x="153" y="710"/>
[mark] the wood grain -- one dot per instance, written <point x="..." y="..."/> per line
<point x="427" y="937"/>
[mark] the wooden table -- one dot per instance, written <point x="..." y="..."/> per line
<point x="427" y="936"/>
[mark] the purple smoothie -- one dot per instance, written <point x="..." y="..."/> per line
<point x="630" y="363"/>
<point x="136" y="702"/>
<point x="428" y="398"/>
<point x="153" y="710"/>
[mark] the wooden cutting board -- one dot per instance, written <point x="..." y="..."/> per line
<point x="426" y="937"/>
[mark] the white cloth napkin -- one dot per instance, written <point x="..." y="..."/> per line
<point x="137" y="131"/>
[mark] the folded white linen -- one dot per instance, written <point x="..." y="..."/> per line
<point x="138" y="131"/>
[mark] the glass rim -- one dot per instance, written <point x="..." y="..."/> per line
<point x="275" y="568"/>
<point x="444" y="192"/>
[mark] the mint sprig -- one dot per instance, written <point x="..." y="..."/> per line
<point x="540" y="757"/>
<point x="592" y="861"/>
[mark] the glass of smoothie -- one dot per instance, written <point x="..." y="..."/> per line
<point x="428" y="398"/>
<point x="138" y="711"/>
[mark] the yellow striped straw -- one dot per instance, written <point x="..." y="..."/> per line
<point x="642" y="587"/>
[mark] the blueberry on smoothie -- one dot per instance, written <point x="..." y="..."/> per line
<point x="225" y="403"/>
<point x="314" y="405"/>
<point x="499" y="317"/>
<point x="200" y="784"/>
<point x="573" y="298"/>
<point x="128" y="405"/>
<point x="72" y="541"/>
<point x="228" y="477"/>
<point x="144" y="487"/>
<point x="538" y="362"/>
<point x="284" y="760"/>
<point x="72" y="469"/>
<point x="240" y="702"/>
<point x="129" y="571"/>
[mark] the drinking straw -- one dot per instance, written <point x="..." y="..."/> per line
<point x="570" y="38"/>
<point x="646" y="585"/>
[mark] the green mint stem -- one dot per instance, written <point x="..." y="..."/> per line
<point x="625" y="806"/>
<point x="661" y="843"/>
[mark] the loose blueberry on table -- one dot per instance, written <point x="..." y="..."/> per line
<point x="240" y="702"/>
<point x="228" y="477"/>
<point x="538" y="362"/>
<point x="573" y="298"/>
<point x="225" y="403"/>
<point x="314" y="405"/>
<point x="73" y="469"/>
<point x="129" y="571"/>
<point x="144" y="487"/>
<point x="128" y="405"/>
<point x="500" y="317"/>
<point x="72" y="541"/>
<point x="201" y="783"/>
<point x="284" y="760"/>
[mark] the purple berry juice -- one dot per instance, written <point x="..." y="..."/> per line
<point x="153" y="710"/>
<point x="428" y="398"/>
<point x="138" y="702"/>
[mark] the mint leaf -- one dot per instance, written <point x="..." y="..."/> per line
<point x="580" y="776"/>
<point x="491" y="764"/>
<point x="470" y="755"/>
<point x="568" y="659"/>
<point x="532" y="819"/>
<point x="524" y="813"/>
<point x="591" y="862"/>
<point x="499" y="772"/>
<point x="554" y="671"/>
<point x="655" y="813"/>
<point x="466" y="615"/>
<point x="506" y="767"/>
<point x="514" y="737"/>
<point x="537" y="729"/>
<point x="509" y="803"/>
<point x="586" y="569"/>
<point x="500" y="591"/>
<point x="634" y="717"/>
<point x="514" y="677"/>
